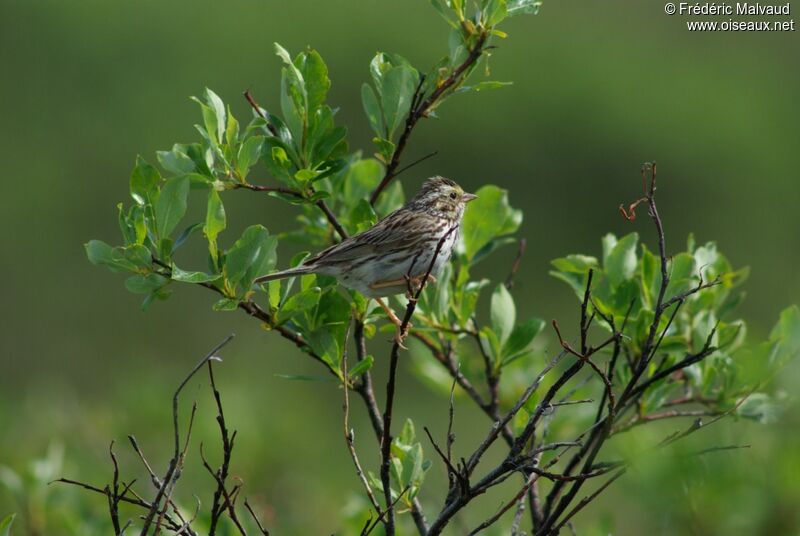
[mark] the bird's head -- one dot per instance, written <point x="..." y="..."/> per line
<point x="443" y="196"/>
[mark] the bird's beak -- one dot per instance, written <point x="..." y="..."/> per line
<point x="468" y="197"/>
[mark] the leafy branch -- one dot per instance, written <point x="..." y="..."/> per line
<point x="653" y="330"/>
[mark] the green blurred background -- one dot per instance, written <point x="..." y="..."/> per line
<point x="598" y="89"/>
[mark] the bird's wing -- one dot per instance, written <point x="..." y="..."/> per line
<point x="397" y="231"/>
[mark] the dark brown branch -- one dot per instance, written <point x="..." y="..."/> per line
<point x="331" y="217"/>
<point x="177" y="460"/>
<point x="136" y="501"/>
<point x="368" y="528"/>
<point x="348" y="436"/>
<point x="492" y="375"/>
<point x="113" y="494"/>
<point x="386" y="438"/>
<point x="365" y="388"/>
<point x="262" y="530"/>
<point x="587" y="500"/>
<point x="260" y="111"/>
<point x="156" y="481"/>
<point x="508" y="505"/>
<point x="221" y="474"/>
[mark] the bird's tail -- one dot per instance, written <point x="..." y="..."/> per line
<point x="300" y="270"/>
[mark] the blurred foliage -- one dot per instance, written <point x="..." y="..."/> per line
<point x="111" y="63"/>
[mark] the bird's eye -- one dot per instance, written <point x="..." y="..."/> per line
<point x="452" y="195"/>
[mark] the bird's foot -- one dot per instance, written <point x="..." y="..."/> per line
<point x="402" y="330"/>
<point x="415" y="283"/>
<point x="400" y="336"/>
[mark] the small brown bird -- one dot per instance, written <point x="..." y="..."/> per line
<point x="378" y="261"/>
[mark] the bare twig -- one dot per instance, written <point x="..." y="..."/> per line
<point x="262" y="530"/>
<point x="177" y="461"/>
<point x="221" y="474"/>
<point x="348" y="436"/>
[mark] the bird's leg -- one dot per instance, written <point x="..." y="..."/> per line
<point x="402" y="333"/>
<point x="387" y="283"/>
<point x="414" y="284"/>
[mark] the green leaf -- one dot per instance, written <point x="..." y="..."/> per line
<point x="5" y="524"/>
<point x="683" y="274"/>
<point x="231" y="129"/>
<point x="362" y="177"/>
<point x="299" y="303"/>
<point x="249" y="153"/>
<point x="144" y="284"/>
<point x="289" y="282"/>
<point x="373" y="110"/>
<point x="177" y="160"/>
<point x="443" y="8"/>
<point x="503" y="313"/>
<point x="144" y="182"/>
<point x="294" y="98"/>
<point x="786" y="336"/>
<point x="362" y="367"/>
<point x="620" y="263"/>
<point x="407" y="435"/>
<point x="521" y="338"/>
<point x="760" y="407"/>
<point x="132" y="258"/>
<point x="493" y="245"/>
<point x="390" y="199"/>
<point x="325" y="329"/>
<point x="494" y="12"/>
<point x="252" y="255"/>
<point x="488" y="217"/>
<point x="185" y="235"/>
<point x="517" y="7"/>
<point x="125" y="226"/>
<point x="216" y="105"/>
<point x="215" y="222"/>
<point x="279" y="155"/>
<point x="385" y="148"/>
<point x="362" y="217"/>
<point x="489" y="84"/>
<point x="397" y="90"/>
<point x="171" y="205"/>
<point x="192" y="277"/>
<point x="98" y="252"/>
<point x="226" y="304"/>
<point x="315" y="75"/>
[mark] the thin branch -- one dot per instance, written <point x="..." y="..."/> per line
<point x="507" y="506"/>
<point x="221" y="474"/>
<point x="415" y="162"/>
<point x="261" y="112"/>
<point x="262" y="530"/>
<point x="386" y="439"/>
<point x="176" y="461"/>
<point x="113" y="493"/>
<point x="136" y="501"/>
<point x="368" y="528"/>
<point x="587" y="500"/>
<point x="348" y="435"/>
